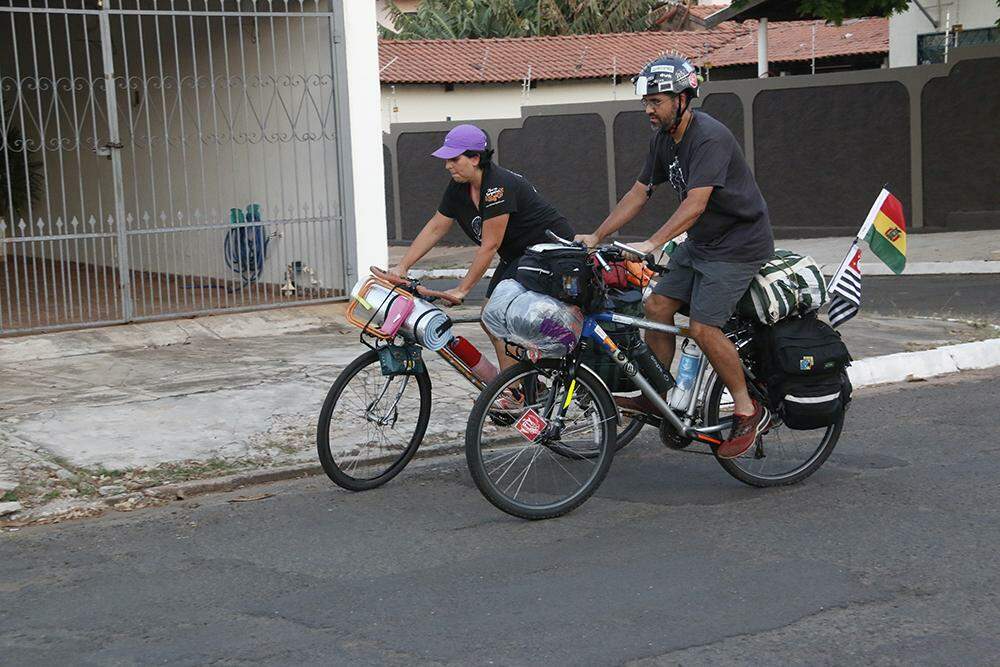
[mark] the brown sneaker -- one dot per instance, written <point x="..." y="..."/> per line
<point x="636" y="404"/>
<point x="746" y="429"/>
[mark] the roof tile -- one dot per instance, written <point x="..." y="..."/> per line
<point x="597" y="56"/>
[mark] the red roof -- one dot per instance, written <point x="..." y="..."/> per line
<point x="566" y="57"/>
<point x="792" y="40"/>
<point x="704" y="11"/>
<point x="598" y="56"/>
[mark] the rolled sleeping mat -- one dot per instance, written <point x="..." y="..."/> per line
<point x="428" y="326"/>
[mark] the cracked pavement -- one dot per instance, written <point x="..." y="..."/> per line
<point x="887" y="555"/>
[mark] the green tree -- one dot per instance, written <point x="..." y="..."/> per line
<point x="838" y="10"/>
<point x="469" y="19"/>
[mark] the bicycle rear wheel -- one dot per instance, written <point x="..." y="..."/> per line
<point x="630" y="429"/>
<point x="371" y="424"/>
<point x="781" y="456"/>
<point x="549" y="476"/>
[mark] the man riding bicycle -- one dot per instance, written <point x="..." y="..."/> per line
<point x="497" y="208"/>
<point x="729" y="233"/>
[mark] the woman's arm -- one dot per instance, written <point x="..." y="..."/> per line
<point x="433" y="231"/>
<point x="493" y="233"/>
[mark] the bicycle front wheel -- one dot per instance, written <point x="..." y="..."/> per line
<point x="371" y="424"/>
<point x="782" y="455"/>
<point x="558" y="470"/>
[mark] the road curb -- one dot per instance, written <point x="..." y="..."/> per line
<point x="181" y="490"/>
<point x="925" y="364"/>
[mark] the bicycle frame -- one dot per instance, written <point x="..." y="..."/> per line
<point x="592" y="329"/>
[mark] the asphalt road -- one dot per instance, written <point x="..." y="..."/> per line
<point x="962" y="296"/>
<point x="887" y="555"/>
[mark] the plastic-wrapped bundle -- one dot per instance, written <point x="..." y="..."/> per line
<point x="534" y="321"/>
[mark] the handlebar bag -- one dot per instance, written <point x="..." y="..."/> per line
<point x="560" y="272"/>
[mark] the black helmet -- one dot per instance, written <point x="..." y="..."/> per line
<point x="667" y="74"/>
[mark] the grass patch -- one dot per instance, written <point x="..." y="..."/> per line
<point x="8" y="497"/>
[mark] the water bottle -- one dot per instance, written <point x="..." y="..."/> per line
<point x="687" y="373"/>
<point x="480" y="366"/>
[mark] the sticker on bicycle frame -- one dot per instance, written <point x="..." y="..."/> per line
<point x="530" y="425"/>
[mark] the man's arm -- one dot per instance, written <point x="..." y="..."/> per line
<point x="682" y="220"/>
<point x="626" y="209"/>
<point x="493" y="232"/>
<point x="433" y="231"/>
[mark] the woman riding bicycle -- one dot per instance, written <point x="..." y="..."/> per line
<point x="497" y="208"/>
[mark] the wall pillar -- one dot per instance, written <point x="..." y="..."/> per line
<point x="359" y="139"/>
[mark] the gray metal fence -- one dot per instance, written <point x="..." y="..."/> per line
<point x="166" y="157"/>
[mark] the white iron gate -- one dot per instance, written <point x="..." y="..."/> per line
<point x="167" y="157"/>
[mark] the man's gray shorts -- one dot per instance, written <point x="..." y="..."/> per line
<point x="711" y="288"/>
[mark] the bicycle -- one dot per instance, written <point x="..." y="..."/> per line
<point x="529" y="470"/>
<point x="372" y="424"/>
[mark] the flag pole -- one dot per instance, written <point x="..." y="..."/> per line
<point x="843" y="265"/>
<point x="876" y="207"/>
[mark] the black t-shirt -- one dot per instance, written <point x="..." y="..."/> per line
<point x="735" y="226"/>
<point x="504" y="191"/>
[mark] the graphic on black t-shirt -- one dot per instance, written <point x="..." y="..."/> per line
<point x="676" y="176"/>
<point x="504" y="192"/>
<point x="735" y="226"/>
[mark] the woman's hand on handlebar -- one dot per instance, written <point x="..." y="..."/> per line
<point x="399" y="270"/>
<point x="589" y="240"/>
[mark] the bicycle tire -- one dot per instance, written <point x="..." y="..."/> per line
<point x="602" y="455"/>
<point x="340" y="473"/>
<point x="628" y="433"/>
<point x="735" y="467"/>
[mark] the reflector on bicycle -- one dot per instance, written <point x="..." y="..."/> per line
<point x="530" y="425"/>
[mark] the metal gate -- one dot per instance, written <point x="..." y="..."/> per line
<point x="167" y="157"/>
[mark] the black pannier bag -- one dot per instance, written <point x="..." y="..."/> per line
<point x="564" y="273"/>
<point x="805" y="364"/>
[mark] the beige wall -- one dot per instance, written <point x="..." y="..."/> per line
<point x="904" y="28"/>
<point x="422" y="103"/>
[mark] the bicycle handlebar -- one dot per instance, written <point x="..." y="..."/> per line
<point x="616" y="245"/>
<point x="414" y="286"/>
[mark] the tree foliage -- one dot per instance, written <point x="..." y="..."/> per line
<point x="469" y="19"/>
<point x="838" y="10"/>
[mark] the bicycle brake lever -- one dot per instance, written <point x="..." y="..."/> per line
<point x="600" y="259"/>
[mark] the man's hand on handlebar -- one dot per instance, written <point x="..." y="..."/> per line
<point x="643" y="247"/>
<point x="589" y="240"/>
<point x="457" y="294"/>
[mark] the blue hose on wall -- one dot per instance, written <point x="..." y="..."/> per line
<point x="246" y="246"/>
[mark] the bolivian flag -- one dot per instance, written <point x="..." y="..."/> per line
<point x="885" y="231"/>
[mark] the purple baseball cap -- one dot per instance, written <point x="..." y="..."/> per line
<point x="461" y="138"/>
